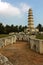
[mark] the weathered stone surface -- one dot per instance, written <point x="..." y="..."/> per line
<point x="4" y="60"/>
<point x="36" y="45"/>
<point x="8" y="40"/>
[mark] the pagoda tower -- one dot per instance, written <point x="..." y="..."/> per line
<point x="30" y="21"/>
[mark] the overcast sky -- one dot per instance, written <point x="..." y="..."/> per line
<point x="16" y="11"/>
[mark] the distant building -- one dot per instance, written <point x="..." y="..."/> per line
<point x="30" y="21"/>
<point x="30" y="27"/>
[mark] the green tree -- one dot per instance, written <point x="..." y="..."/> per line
<point x="16" y="28"/>
<point x="1" y="28"/>
<point x="20" y="28"/>
<point x="39" y="27"/>
<point x="7" y="29"/>
<point x="12" y="28"/>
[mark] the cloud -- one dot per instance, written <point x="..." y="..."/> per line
<point x="24" y="7"/>
<point x="8" y="9"/>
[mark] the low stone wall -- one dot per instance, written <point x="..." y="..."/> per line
<point x="23" y="37"/>
<point x="36" y="45"/>
<point x="7" y="40"/>
<point x="4" y="60"/>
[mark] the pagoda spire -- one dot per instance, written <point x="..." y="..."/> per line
<point x="30" y="21"/>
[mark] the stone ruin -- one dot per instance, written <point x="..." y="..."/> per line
<point x="4" y="60"/>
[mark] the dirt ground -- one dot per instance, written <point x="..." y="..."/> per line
<point x="20" y="54"/>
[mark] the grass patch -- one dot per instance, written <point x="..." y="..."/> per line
<point x="3" y="35"/>
<point x="38" y="36"/>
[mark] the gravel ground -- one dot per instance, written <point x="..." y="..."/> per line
<point x="20" y="54"/>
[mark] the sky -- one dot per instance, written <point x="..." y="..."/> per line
<point x="16" y="11"/>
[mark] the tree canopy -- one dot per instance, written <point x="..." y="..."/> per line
<point x="8" y="29"/>
<point x="40" y="27"/>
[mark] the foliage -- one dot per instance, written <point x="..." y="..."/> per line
<point x="39" y="36"/>
<point x="3" y="35"/>
<point x="1" y="28"/>
<point x="8" y="29"/>
<point x="40" y="27"/>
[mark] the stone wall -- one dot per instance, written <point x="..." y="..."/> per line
<point x="7" y="40"/>
<point x="22" y="37"/>
<point x="36" y="45"/>
<point x="4" y="60"/>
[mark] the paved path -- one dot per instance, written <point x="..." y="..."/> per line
<point x="20" y="54"/>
